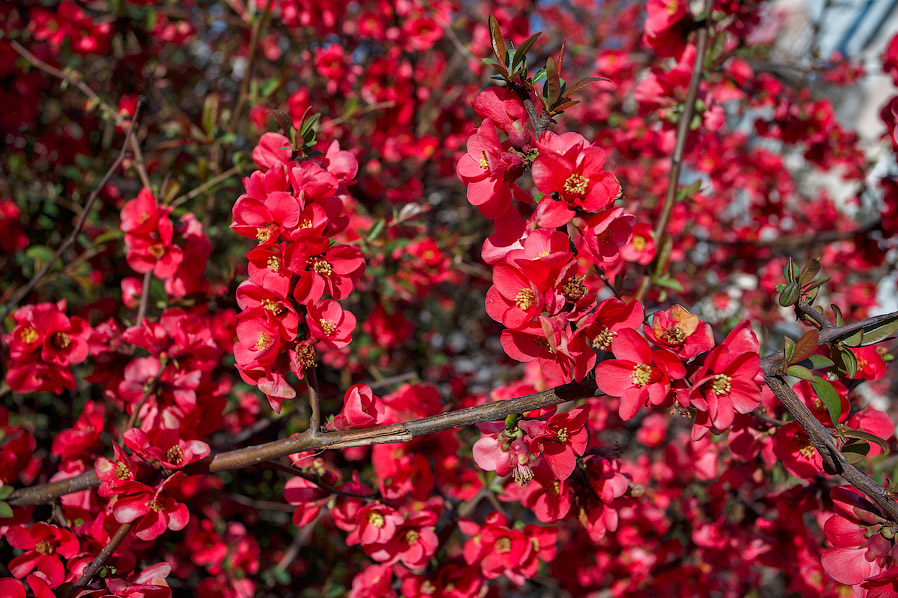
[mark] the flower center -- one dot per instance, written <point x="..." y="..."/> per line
<point x="411" y="537"/>
<point x="273" y="264"/>
<point x="522" y="473"/>
<point x="262" y="342"/>
<point x="562" y="435"/>
<point x="122" y="471"/>
<point x="576" y="184"/>
<point x="28" y="335"/>
<point x="44" y="547"/>
<point x="327" y="326"/>
<point x="155" y="504"/>
<point x="674" y="335"/>
<point x="307" y="223"/>
<point x="263" y="234"/>
<point x="525" y="299"/>
<point x="642" y="374"/>
<point x="721" y="384"/>
<point x="376" y="519"/>
<point x="428" y="588"/>
<point x="61" y="340"/>
<point x="305" y="355"/>
<point x="543" y="343"/>
<point x="273" y="306"/>
<point x="484" y="163"/>
<point x="174" y="455"/>
<point x="604" y="236"/>
<point x="322" y="267"/>
<point x="574" y="289"/>
<point x="603" y="339"/>
<point x="638" y="242"/>
<point x="503" y="545"/>
<point x="157" y="250"/>
<point x="804" y="446"/>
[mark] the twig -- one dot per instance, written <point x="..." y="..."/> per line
<point x="314" y="404"/>
<point x="260" y="23"/>
<point x="683" y="125"/>
<point x="104" y="556"/>
<point x="206" y="186"/>
<point x="144" y="297"/>
<point x="73" y="78"/>
<point x="834" y="462"/>
<point x="79" y="224"/>
<point x="804" y="309"/>
<point x="288" y="469"/>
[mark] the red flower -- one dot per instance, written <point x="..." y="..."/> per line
<point x="166" y="446"/>
<point x="154" y="510"/>
<point x="361" y="409"/>
<point x="496" y="451"/>
<point x="680" y="331"/>
<point x="377" y="524"/>
<point x="114" y="474"/>
<point x="488" y="171"/>
<point x="667" y="27"/>
<point x="549" y="498"/>
<point x="606" y="232"/>
<point x="638" y="374"/>
<point x="273" y="148"/>
<point x="335" y="272"/>
<point x="331" y="324"/>
<point x="43" y="545"/>
<point x="562" y="439"/>
<point x="641" y="248"/>
<point x="573" y="169"/>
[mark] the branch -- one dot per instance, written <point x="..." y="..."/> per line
<point x="74" y="78"/>
<point x="144" y="297"/>
<point x="79" y="224"/>
<point x="314" y="428"/>
<point x="104" y="556"/>
<point x="805" y="309"/>
<point x="261" y="21"/>
<point x="834" y="462"/>
<point x="254" y="455"/>
<point x="673" y="179"/>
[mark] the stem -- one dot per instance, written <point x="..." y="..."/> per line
<point x="261" y="21"/>
<point x="79" y="224"/>
<point x="205" y="186"/>
<point x="104" y="556"/>
<point x="805" y="309"/>
<point x="673" y="179"/>
<point x="144" y="297"/>
<point x="314" y="429"/>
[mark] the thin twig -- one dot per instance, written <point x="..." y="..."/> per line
<point x="683" y="126"/>
<point x="74" y="79"/>
<point x="144" y="297"/>
<point x="289" y="469"/>
<point x="104" y="556"/>
<point x="314" y="404"/>
<point x="258" y="26"/>
<point x="804" y="309"/>
<point x="79" y="224"/>
<point x="206" y="186"/>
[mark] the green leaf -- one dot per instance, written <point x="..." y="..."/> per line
<point x="849" y="361"/>
<point x="5" y="492"/>
<point x="553" y="82"/>
<point x="818" y="283"/>
<point x="880" y="331"/>
<point x="789" y="350"/>
<point x="790" y="294"/>
<point x="376" y="229"/>
<point x="868" y="437"/>
<point x="789" y="270"/>
<point x="521" y="53"/>
<point x="5" y="510"/>
<point x="855" y="450"/>
<point x="826" y="393"/>
<point x="838" y="313"/>
<point x="820" y="361"/>
<point x="800" y="372"/>
<point x="809" y="271"/>
<point x="39" y="253"/>
<point x="806" y="346"/>
<point x="855" y="339"/>
<point x="669" y="283"/>
<point x="496" y="39"/>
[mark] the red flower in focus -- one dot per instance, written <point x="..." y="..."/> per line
<point x="488" y="171"/>
<point x="361" y="409"/>
<point x="870" y="364"/>
<point x="331" y="324"/>
<point x="680" y="331"/>
<point x="641" y="248"/>
<point x="153" y="509"/>
<point x="166" y="446"/>
<point x="273" y="148"/>
<point x="561" y="440"/>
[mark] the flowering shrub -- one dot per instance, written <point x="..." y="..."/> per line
<point x="406" y="299"/>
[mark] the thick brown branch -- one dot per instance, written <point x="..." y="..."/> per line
<point x="804" y="309"/>
<point x="255" y="455"/>
<point x="834" y="462"/>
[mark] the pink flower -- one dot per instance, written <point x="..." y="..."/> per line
<point x="331" y="324"/>
<point x="272" y="148"/>
<point x="43" y="545"/>
<point x="361" y="409"/>
<point x="154" y="510"/>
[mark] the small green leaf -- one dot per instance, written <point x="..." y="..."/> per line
<point x="790" y="294"/>
<point x="880" y="331"/>
<point x="855" y="450"/>
<point x="826" y="393"/>
<point x="669" y="283"/>
<point x="868" y="437"/>
<point x="789" y="350"/>
<point x="800" y="372"/>
<point x="838" y="313"/>
<point x="789" y="270"/>
<point x="820" y="361"/>
<point x="855" y="339"/>
<point x="818" y="283"/>
<point x="5" y="492"/>
<point x="5" y="510"/>
<point x="376" y="229"/>
<point x="521" y="53"/>
<point x="849" y="361"/>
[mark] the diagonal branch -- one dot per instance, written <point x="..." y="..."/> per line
<point x="79" y="224"/>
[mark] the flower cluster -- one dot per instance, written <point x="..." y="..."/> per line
<point x="298" y="273"/>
